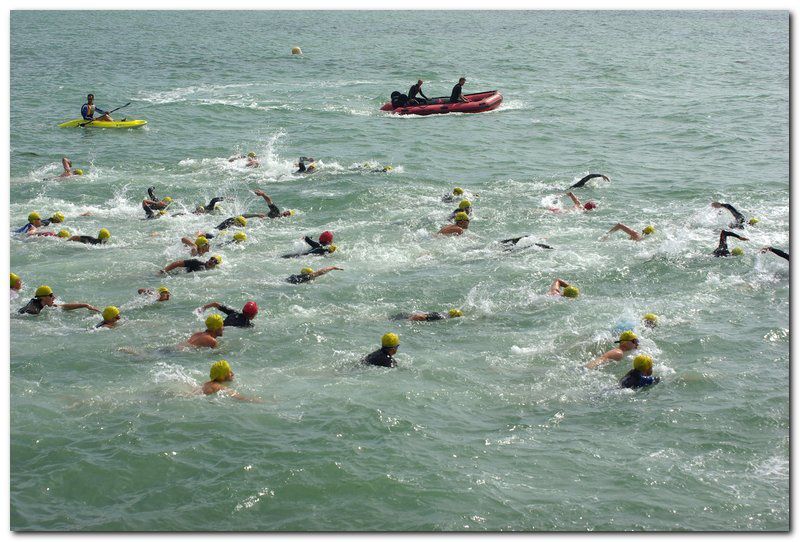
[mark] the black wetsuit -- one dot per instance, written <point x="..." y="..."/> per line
<point x="88" y="239"/>
<point x="586" y="179"/>
<point x="635" y="379"/>
<point x="228" y="222"/>
<point x="515" y="240"/>
<point x="429" y="316"/>
<point x="235" y="318"/>
<point x="739" y="217"/>
<point x="412" y="94"/>
<point x="194" y="265"/>
<point x="297" y="279"/>
<point x="779" y="252"/>
<point x="212" y="204"/>
<point x="34" y="306"/>
<point x="317" y="249"/>
<point x="722" y="248"/>
<point x="274" y="211"/>
<point x="456" y="94"/>
<point x="380" y="358"/>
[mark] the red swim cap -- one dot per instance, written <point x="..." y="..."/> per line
<point x="250" y="309"/>
<point x="326" y="238"/>
<point x="590" y="205"/>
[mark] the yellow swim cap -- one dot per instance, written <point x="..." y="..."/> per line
<point x="168" y="199"/>
<point x="199" y="208"/>
<point x="43" y="291"/>
<point x="214" y="322"/>
<point x="110" y="312"/>
<point x="162" y="212"/>
<point x="163" y="289"/>
<point x="14" y="279"/>
<point x="34" y="216"/>
<point x="455" y="313"/>
<point x="627" y="335"/>
<point x="217" y="259"/>
<point x="650" y="317"/>
<point x="571" y="291"/>
<point x="457" y="191"/>
<point x="240" y="236"/>
<point x="461" y="216"/>
<point x="387" y="168"/>
<point x="306" y="271"/>
<point x="753" y="221"/>
<point x="251" y="154"/>
<point x="464" y="204"/>
<point x="219" y="370"/>
<point x="738" y="251"/>
<point x="242" y="221"/>
<point x="78" y="172"/>
<point x="291" y="212"/>
<point x="331" y="248"/>
<point x="104" y="234"/>
<point x="648" y="230"/>
<point x="63" y="233"/>
<point x="57" y="217"/>
<point x="390" y="340"/>
<point x="642" y="362"/>
<point x="201" y="241"/>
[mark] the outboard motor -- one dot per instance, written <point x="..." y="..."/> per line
<point x="399" y="99"/>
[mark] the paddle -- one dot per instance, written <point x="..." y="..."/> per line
<point x="106" y="113"/>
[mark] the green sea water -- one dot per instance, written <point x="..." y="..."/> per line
<point x="489" y="422"/>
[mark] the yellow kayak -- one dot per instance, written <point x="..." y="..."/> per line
<point x="103" y="124"/>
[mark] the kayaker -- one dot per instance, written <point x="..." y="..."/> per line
<point x="89" y="109"/>
<point x="457" y="96"/>
<point x="412" y="94"/>
<point x="274" y="210"/>
<point x="68" y="171"/>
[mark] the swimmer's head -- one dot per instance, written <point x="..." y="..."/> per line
<point x="648" y="230"/>
<point x="464" y="204"/>
<point x="455" y="313"/>
<point x="331" y="249"/>
<point x="306" y="271"/>
<point x="199" y="209"/>
<point x="387" y="168"/>
<point x="737" y="251"/>
<point x="461" y="217"/>
<point x="589" y="205"/>
<point x="215" y="260"/>
<point x="78" y="172"/>
<point x="326" y="238"/>
<point x="643" y="363"/>
<point x="43" y="291"/>
<point x="753" y="221"/>
<point x="221" y="371"/>
<point x="57" y="218"/>
<point x="628" y="336"/>
<point x="390" y="340"/>
<point x="242" y="221"/>
<point x="163" y="293"/>
<point x="201" y="241"/>
<point x="110" y="314"/>
<point x="103" y="234"/>
<point x="457" y="191"/>
<point x="214" y="322"/>
<point x="240" y="237"/>
<point x="571" y="291"/>
<point x="161" y="212"/>
<point x="288" y="212"/>
<point x="63" y="234"/>
<point x="16" y="282"/>
<point x="250" y="310"/>
<point x="168" y="200"/>
<point x="650" y="320"/>
<point x="34" y="217"/>
<point x="251" y="154"/>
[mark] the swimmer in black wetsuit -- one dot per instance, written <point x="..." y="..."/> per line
<point x="420" y="316"/>
<point x="722" y="248"/>
<point x="235" y="318"/>
<point x="641" y="374"/>
<point x="390" y="342"/>
<point x="210" y="208"/>
<point x="274" y="210"/>
<point x="739" y="217"/>
<point x="101" y="238"/>
<point x="586" y="179"/>
<point x="44" y="297"/>
<point x="193" y="265"/>
<point x="511" y="243"/>
<point x="776" y="252"/>
<point x="240" y="220"/>
<point x="322" y="248"/>
<point x="153" y="204"/>
<point x="307" y="274"/>
<point x="457" y="193"/>
<point x="307" y="169"/>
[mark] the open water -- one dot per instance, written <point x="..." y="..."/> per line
<point x="489" y="422"/>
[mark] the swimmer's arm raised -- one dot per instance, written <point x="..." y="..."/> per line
<point x="73" y="306"/>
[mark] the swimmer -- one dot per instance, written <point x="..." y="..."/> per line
<point x="464" y="206"/>
<point x="586" y="179"/>
<point x="322" y="248"/>
<point x="110" y="317"/>
<point x="628" y="341"/>
<point x="102" y="237"/>
<point x="44" y="297"/>
<point x="193" y="265"/>
<point x="722" y="248"/>
<point x="154" y="204"/>
<point x="199" y="246"/>
<point x="274" y="210"/>
<point x="511" y="243"/>
<point x="235" y="318"/>
<point x="240" y="220"/>
<point x="163" y="293"/>
<point x="307" y="274"/>
<point x="220" y="373"/>
<point x="382" y="357"/>
<point x="588" y="206"/>
<point x="738" y="217"/>
<point x="252" y="159"/>
<point x="569" y="290"/>
<point x="650" y="320"/>
<point x="633" y="234"/>
<point x="210" y="208"/>
<point x="461" y="225"/>
<point x="776" y="252"/>
<point x="306" y="169"/>
<point x="457" y="193"/>
<point x="16" y="283"/>
<point x="68" y="171"/>
<point x="420" y="316"/>
<point x="207" y="338"/>
<point x="641" y="375"/>
<point x="34" y="221"/>
<point x="32" y="226"/>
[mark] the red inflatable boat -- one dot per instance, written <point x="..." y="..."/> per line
<point x="478" y="103"/>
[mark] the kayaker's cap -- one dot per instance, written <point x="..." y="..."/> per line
<point x="464" y="204"/>
<point x="642" y="363"/>
<point x="240" y="236"/>
<point x="462" y="217"/>
<point x="201" y="241"/>
<point x="214" y="322"/>
<point x="250" y="309"/>
<point x="33" y="217"/>
<point x="43" y="291"/>
<point x="57" y="218"/>
<point x="326" y="238"/>
<point x="242" y="221"/>
<point x="627" y="336"/>
<point x="63" y="233"/>
<point x="110" y="313"/>
<point x="219" y="371"/>
<point x="306" y="271"/>
<point x="390" y="340"/>
<point x="455" y="313"/>
<point x="648" y="230"/>
<point x="104" y="234"/>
